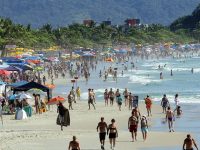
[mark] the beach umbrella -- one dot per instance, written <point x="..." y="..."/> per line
<point x="51" y="86"/>
<point x="13" y="97"/>
<point x="109" y="60"/>
<point x="4" y="72"/>
<point x="38" y="68"/>
<point x="35" y="91"/>
<point x="24" y="96"/>
<point x="55" y="100"/>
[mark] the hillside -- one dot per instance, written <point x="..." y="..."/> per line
<point x="190" y="22"/>
<point x="63" y="12"/>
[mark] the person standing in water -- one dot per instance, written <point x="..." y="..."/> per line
<point x="90" y="98"/>
<point x="171" y="73"/>
<point x="161" y="75"/>
<point x="176" y="101"/>
<point x="164" y="103"/>
<point x="189" y="142"/>
<point x="192" y="70"/>
<point x="125" y="93"/>
<point x="102" y="128"/>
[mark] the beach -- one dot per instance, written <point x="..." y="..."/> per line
<point x="40" y="131"/>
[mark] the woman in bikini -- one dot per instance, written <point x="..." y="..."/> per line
<point x="113" y="134"/>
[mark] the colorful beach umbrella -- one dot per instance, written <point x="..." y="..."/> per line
<point x="51" y="86"/>
<point x="4" y="72"/>
<point x="55" y="100"/>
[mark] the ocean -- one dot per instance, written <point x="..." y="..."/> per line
<point x="144" y="79"/>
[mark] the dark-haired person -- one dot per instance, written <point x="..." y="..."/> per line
<point x="164" y="103"/>
<point x="102" y="128"/>
<point x="170" y="119"/>
<point x="74" y="145"/>
<point x="189" y="142"/>
<point x="132" y="126"/>
<point x="113" y="134"/>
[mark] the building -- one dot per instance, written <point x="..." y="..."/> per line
<point x="88" y="23"/>
<point x="132" y="22"/>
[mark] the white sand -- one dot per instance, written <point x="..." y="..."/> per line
<point x="40" y="132"/>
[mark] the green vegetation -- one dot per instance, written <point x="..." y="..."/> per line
<point x="78" y="35"/>
<point x="188" y="25"/>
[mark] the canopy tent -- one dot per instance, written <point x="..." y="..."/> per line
<point x="13" y="85"/>
<point x="32" y="85"/>
<point x="12" y="68"/>
<point x="16" y="84"/>
<point x="9" y="60"/>
<point x="24" y="67"/>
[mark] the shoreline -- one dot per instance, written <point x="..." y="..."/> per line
<point x="41" y="131"/>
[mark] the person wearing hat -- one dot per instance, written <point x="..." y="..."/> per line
<point x="102" y="128"/>
<point x="144" y="127"/>
<point x="148" y="103"/>
<point x="74" y="145"/>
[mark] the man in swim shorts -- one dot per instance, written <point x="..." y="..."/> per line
<point x="74" y="145"/>
<point x="170" y="119"/>
<point x="102" y="128"/>
<point x="132" y="126"/>
<point x="189" y="142"/>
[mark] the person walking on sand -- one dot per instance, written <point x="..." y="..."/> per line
<point x="90" y="98"/>
<point x="78" y="93"/>
<point x="70" y="100"/>
<point x="189" y="142"/>
<point x="113" y="134"/>
<point x="164" y="103"/>
<point x="61" y="110"/>
<point x="170" y="119"/>
<point x="74" y="145"/>
<point x="144" y="127"/>
<point x="102" y="128"/>
<point x="132" y="126"/>
<point x="148" y="103"/>
<point x="130" y="101"/>
<point x="119" y="101"/>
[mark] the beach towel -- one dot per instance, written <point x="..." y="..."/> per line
<point x="66" y="119"/>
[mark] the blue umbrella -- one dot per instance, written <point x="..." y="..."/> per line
<point x="14" y="97"/>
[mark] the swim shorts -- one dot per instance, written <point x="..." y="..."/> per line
<point x="144" y="129"/>
<point x="102" y="136"/>
<point x="133" y="128"/>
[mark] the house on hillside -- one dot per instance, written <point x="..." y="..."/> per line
<point x="88" y="23"/>
<point x="132" y="22"/>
